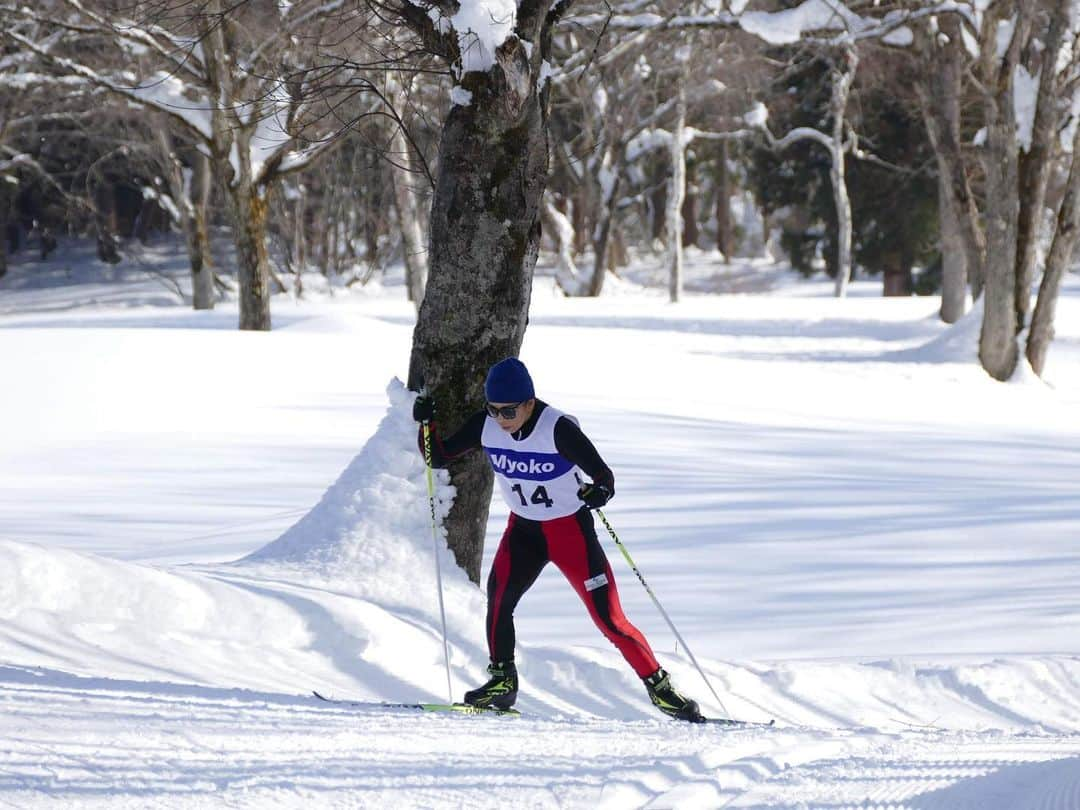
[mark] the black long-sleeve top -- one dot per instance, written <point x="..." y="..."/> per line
<point x="570" y="442"/>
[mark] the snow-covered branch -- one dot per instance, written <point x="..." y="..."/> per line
<point x="162" y="94"/>
<point x="182" y="55"/>
<point x="788" y="26"/>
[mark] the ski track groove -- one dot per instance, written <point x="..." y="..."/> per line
<point x="119" y="749"/>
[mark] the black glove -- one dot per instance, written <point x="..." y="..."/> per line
<point x="423" y="409"/>
<point x="594" y="495"/>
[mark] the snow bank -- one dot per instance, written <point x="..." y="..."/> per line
<point x="370" y="534"/>
<point x="957" y="344"/>
<point x="960" y="344"/>
<point x="73" y="610"/>
<point x="346" y="598"/>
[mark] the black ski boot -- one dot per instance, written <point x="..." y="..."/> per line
<point x="670" y="702"/>
<point x="500" y="691"/>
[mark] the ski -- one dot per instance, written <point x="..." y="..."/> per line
<point x="465" y="708"/>
<point x="457" y="708"/>
<point x="727" y="721"/>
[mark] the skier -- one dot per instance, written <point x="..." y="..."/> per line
<point x="538" y="454"/>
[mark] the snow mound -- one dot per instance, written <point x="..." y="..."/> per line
<point x="960" y="344"/>
<point x="64" y="608"/>
<point x="371" y="531"/>
<point x="957" y="344"/>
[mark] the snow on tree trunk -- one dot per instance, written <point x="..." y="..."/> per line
<point x="560" y="229"/>
<point x="484" y="240"/>
<point x="190" y="203"/>
<point x="676" y="195"/>
<point x="232" y="140"/>
<point x="609" y="176"/>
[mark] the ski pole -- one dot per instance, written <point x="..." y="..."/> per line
<point x="671" y="624"/>
<point x="435" y="544"/>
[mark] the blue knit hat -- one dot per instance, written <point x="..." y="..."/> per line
<point x="509" y="381"/>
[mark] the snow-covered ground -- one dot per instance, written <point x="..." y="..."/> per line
<point x="858" y="532"/>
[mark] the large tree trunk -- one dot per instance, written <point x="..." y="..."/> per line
<point x="998" y="351"/>
<point x="484" y="239"/>
<point x="1035" y="162"/>
<point x="676" y="194"/>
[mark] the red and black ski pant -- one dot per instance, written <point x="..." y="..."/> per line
<point x="569" y="542"/>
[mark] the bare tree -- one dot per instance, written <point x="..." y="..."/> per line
<point x="234" y="80"/>
<point x="485" y="220"/>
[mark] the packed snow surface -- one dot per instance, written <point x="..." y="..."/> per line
<point x="859" y="534"/>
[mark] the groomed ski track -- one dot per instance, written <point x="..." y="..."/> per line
<point x="861" y="535"/>
<point x="79" y="742"/>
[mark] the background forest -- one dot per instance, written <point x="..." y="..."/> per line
<point x="927" y="144"/>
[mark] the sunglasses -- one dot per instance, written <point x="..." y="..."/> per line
<point x="505" y="411"/>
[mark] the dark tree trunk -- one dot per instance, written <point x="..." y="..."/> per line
<point x="1061" y="252"/>
<point x="1035" y="162"/>
<point x="1057" y="263"/>
<point x="5" y="220"/>
<point x="198" y="236"/>
<point x="953" y="257"/>
<point x="658" y="201"/>
<point x="606" y="200"/>
<point x="579" y="217"/>
<point x="939" y="95"/>
<point x="898" y="279"/>
<point x="998" y="350"/>
<point x="691" y="232"/>
<point x="725" y="224"/>
<point x="108" y="246"/>
<point x="484" y="239"/>
<point x="602" y="240"/>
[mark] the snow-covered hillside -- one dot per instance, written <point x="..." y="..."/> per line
<point x="858" y="532"/>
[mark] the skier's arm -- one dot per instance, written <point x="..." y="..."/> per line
<point x="575" y="446"/>
<point x="443" y="451"/>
